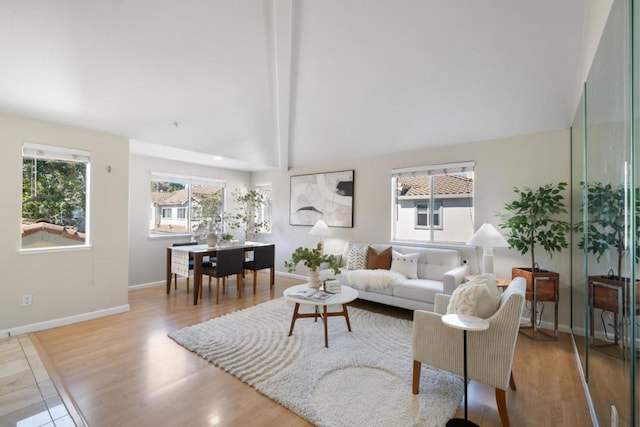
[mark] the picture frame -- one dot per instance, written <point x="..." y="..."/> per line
<point x="327" y="196"/>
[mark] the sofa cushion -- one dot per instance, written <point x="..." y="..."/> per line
<point x="474" y="299"/>
<point x="356" y="257"/>
<point x="418" y="289"/>
<point x="378" y="260"/>
<point x="406" y="264"/>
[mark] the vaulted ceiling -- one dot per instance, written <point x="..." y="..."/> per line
<point x="287" y="83"/>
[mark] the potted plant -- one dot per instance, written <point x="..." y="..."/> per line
<point x="607" y="222"/>
<point x="535" y="219"/>
<point x="312" y="259"/>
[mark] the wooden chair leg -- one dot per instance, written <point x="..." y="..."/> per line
<point x="255" y="278"/>
<point x="239" y="284"/>
<point x="175" y="281"/>
<point x="187" y="284"/>
<point x="272" y="275"/>
<point x="512" y="382"/>
<point x="217" y="290"/>
<point x="501" y="402"/>
<point x="416" y="376"/>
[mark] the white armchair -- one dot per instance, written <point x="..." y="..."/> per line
<point x="490" y="352"/>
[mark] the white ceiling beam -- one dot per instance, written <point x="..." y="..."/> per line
<point x="282" y="35"/>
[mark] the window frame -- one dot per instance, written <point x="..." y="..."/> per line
<point x="267" y="208"/>
<point x="188" y="181"/>
<point x="401" y="200"/>
<point x="437" y="213"/>
<point x="56" y="153"/>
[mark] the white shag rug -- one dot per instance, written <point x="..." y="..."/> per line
<point x="362" y="379"/>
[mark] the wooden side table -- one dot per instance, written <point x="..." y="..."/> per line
<point x="501" y="282"/>
<point x="466" y="323"/>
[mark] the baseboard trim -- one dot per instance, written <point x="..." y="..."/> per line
<point x="164" y="282"/>
<point x="62" y="321"/>
<point x="147" y="285"/>
<point x="585" y="386"/>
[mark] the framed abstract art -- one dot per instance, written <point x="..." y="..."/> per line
<point x="327" y="196"/>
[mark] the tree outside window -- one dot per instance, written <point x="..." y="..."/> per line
<point x="54" y="196"/>
<point x="185" y="205"/>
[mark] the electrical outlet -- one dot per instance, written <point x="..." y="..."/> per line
<point x="27" y="299"/>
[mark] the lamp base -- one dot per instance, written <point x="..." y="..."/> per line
<point x="487" y="260"/>
<point x="460" y="422"/>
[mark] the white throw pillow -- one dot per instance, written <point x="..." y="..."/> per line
<point x="490" y="280"/>
<point x="474" y="299"/>
<point x="356" y="257"/>
<point x="406" y="264"/>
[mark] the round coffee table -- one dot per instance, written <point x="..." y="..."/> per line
<point x="342" y="298"/>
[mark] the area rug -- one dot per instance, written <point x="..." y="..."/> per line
<point x="362" y="379"/>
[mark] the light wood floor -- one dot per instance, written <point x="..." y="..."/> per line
<point x="123" y="370"/>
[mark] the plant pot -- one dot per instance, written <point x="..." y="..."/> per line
<point x="606" y="292"/>
<point x="212" y="240"/>
<point x="546" y="290"/>
<point x="314" y="279"/>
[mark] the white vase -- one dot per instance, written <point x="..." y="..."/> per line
<point x="314" y="279"/>
<point x="212" y="239"/>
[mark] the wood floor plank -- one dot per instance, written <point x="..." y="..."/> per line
<point x="123" y="369"/>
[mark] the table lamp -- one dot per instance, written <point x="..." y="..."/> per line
<point x="488" y="237"/>
<point x="320" y="229"/>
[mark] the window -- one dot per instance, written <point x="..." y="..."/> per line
<point x="433" y="203"/>
<point x="55" y="195"/>
<point x="423" y="215"/>
<point x="263" y="213"/>
<point x="184" y="204"/>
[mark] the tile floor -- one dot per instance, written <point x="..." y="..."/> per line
<point x="28" y="397"/>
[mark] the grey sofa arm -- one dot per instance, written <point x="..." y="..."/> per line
<point x="454" y="277"/>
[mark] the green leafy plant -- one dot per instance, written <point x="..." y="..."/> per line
<point x="535" y="219"/>
<point x="311" y="258"/>
<point x="226" y="237"/>
<point x="607" y="220"/>
<point x="248" y="203"/>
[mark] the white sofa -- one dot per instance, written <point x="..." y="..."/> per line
<point x="439" y="271"/>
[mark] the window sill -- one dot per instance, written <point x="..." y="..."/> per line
<point x="54" y="249"/>
<point x="168" y="236"/>
<point x="444" y="245"/>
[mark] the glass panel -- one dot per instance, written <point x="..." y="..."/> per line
<point x="579" y="296"/>
<point x="606" y="231"/>
<point x="54" y="202"/>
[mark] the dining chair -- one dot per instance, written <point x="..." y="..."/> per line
<point x="205" y="263"/>
<point x="263" y="257"/>
<point x="229" y="262"/>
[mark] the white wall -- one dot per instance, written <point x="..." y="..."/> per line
<point x="64" y="284"/>
<point x="147" y="255"/>
<point x="529" y="160"/>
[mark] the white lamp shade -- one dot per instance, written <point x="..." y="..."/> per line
<point x="488" y="236"/>
<point x="320" y="229"/>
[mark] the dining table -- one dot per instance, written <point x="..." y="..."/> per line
<point x="178" y="261"/>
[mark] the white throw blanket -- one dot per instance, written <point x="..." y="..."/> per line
<point x="368" y="280"/>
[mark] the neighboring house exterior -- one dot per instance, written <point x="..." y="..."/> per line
<point x="453" y="208"/>
<point x="44" y="235"/>
<point x="170" y="210"/>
